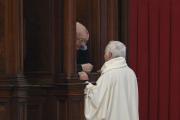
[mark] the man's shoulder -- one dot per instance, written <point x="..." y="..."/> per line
<point x="119" y="71"/>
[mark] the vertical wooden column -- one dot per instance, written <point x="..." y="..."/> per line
<point x="11" y="85"/>
<point x="104" y="28"/>
<point x="69" y="37"/>
<point x="112" y="26"/>
<point x="14" y="37"/>
<point x="95" y="38"/>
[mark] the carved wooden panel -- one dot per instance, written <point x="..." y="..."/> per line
<point x="101" y="19"/>
<point x="35" y="109"/>
<point x="76" y="108"/>
<point x="4" y="110"/>
<point x="62" y="105"/>
<point x="34" y="112"/>
<point x="70" y="108"/>
<point x="39" y="38"/>
<point x="38" y="35"/>
<point x="57" y="34"/>
<point x="88" y="13"/>
<point x="2" y="37"/>
<point x="21" y="110"/>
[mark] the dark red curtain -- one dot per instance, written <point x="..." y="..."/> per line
<point x="154" y="49"/>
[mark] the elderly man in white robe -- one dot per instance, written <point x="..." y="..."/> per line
<point x="115" y="95"/>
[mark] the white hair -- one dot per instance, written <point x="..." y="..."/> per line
<point x="117" y="48"/>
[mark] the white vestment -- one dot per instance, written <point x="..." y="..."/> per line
<point x="115" y="95"/>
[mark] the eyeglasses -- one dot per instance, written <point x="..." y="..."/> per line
<point x="81" y="40"/>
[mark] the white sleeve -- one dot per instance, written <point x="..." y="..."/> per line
<point x="95" y="98"/>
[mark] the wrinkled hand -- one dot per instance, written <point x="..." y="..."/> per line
<point x="87" y="67"/>
<point x="83" y="76"/>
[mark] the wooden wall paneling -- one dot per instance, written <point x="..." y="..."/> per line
<point x="14" y="38"/>
<point x="106" y="25"/>
<point x="39" y="42"/>
<point x="2" y="37"/>
<point x="17" y="106"/>
<point x="36" y="109"/>
<point x="69" y="63"/>
<point x="112" y="20"/>
<point x="70" y="107"/>
<point x="13" y="55"/>
<point x="62" y="108"/>
<point x="88" y="13"/>
<point x="37" y="105"/>
<point x="83" y="12"/>
<point x="101" y="19"/>
<point x="74" y="103"/>
<point x="32" y="106"/>
<point x="104" y="28"/>
<point x="21" y="112"/>
<point x="38" y="36"/>
<point x="57" y="19"/>
<point x="51" y="107"/>
<point x="95" y="34"/>
<point x="5" y="109"/>
<point x="69" y="99"/>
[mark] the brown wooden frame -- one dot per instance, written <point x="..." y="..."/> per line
<point x="54" y="92"/>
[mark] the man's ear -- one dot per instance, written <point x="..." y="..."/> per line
<point x="110" y="55"/>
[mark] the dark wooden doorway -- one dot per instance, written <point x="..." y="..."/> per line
<point x="38" y="79"/>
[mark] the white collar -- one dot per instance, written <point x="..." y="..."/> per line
<point x="114" y="63"/>
<point x="84" y="48"/>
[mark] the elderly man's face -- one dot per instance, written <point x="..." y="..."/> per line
<point x="80" y="43"/>
<point x="107" y="56"/>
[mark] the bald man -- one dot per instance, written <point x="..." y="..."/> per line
<point x="83" y="63"/>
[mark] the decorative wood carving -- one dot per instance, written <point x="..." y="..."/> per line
<point x="39" y="79"/>
<point x="69" y="37"/>
<point x="2" y="36"/>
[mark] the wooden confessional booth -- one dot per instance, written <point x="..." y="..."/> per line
<point x="38" y="78"/>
